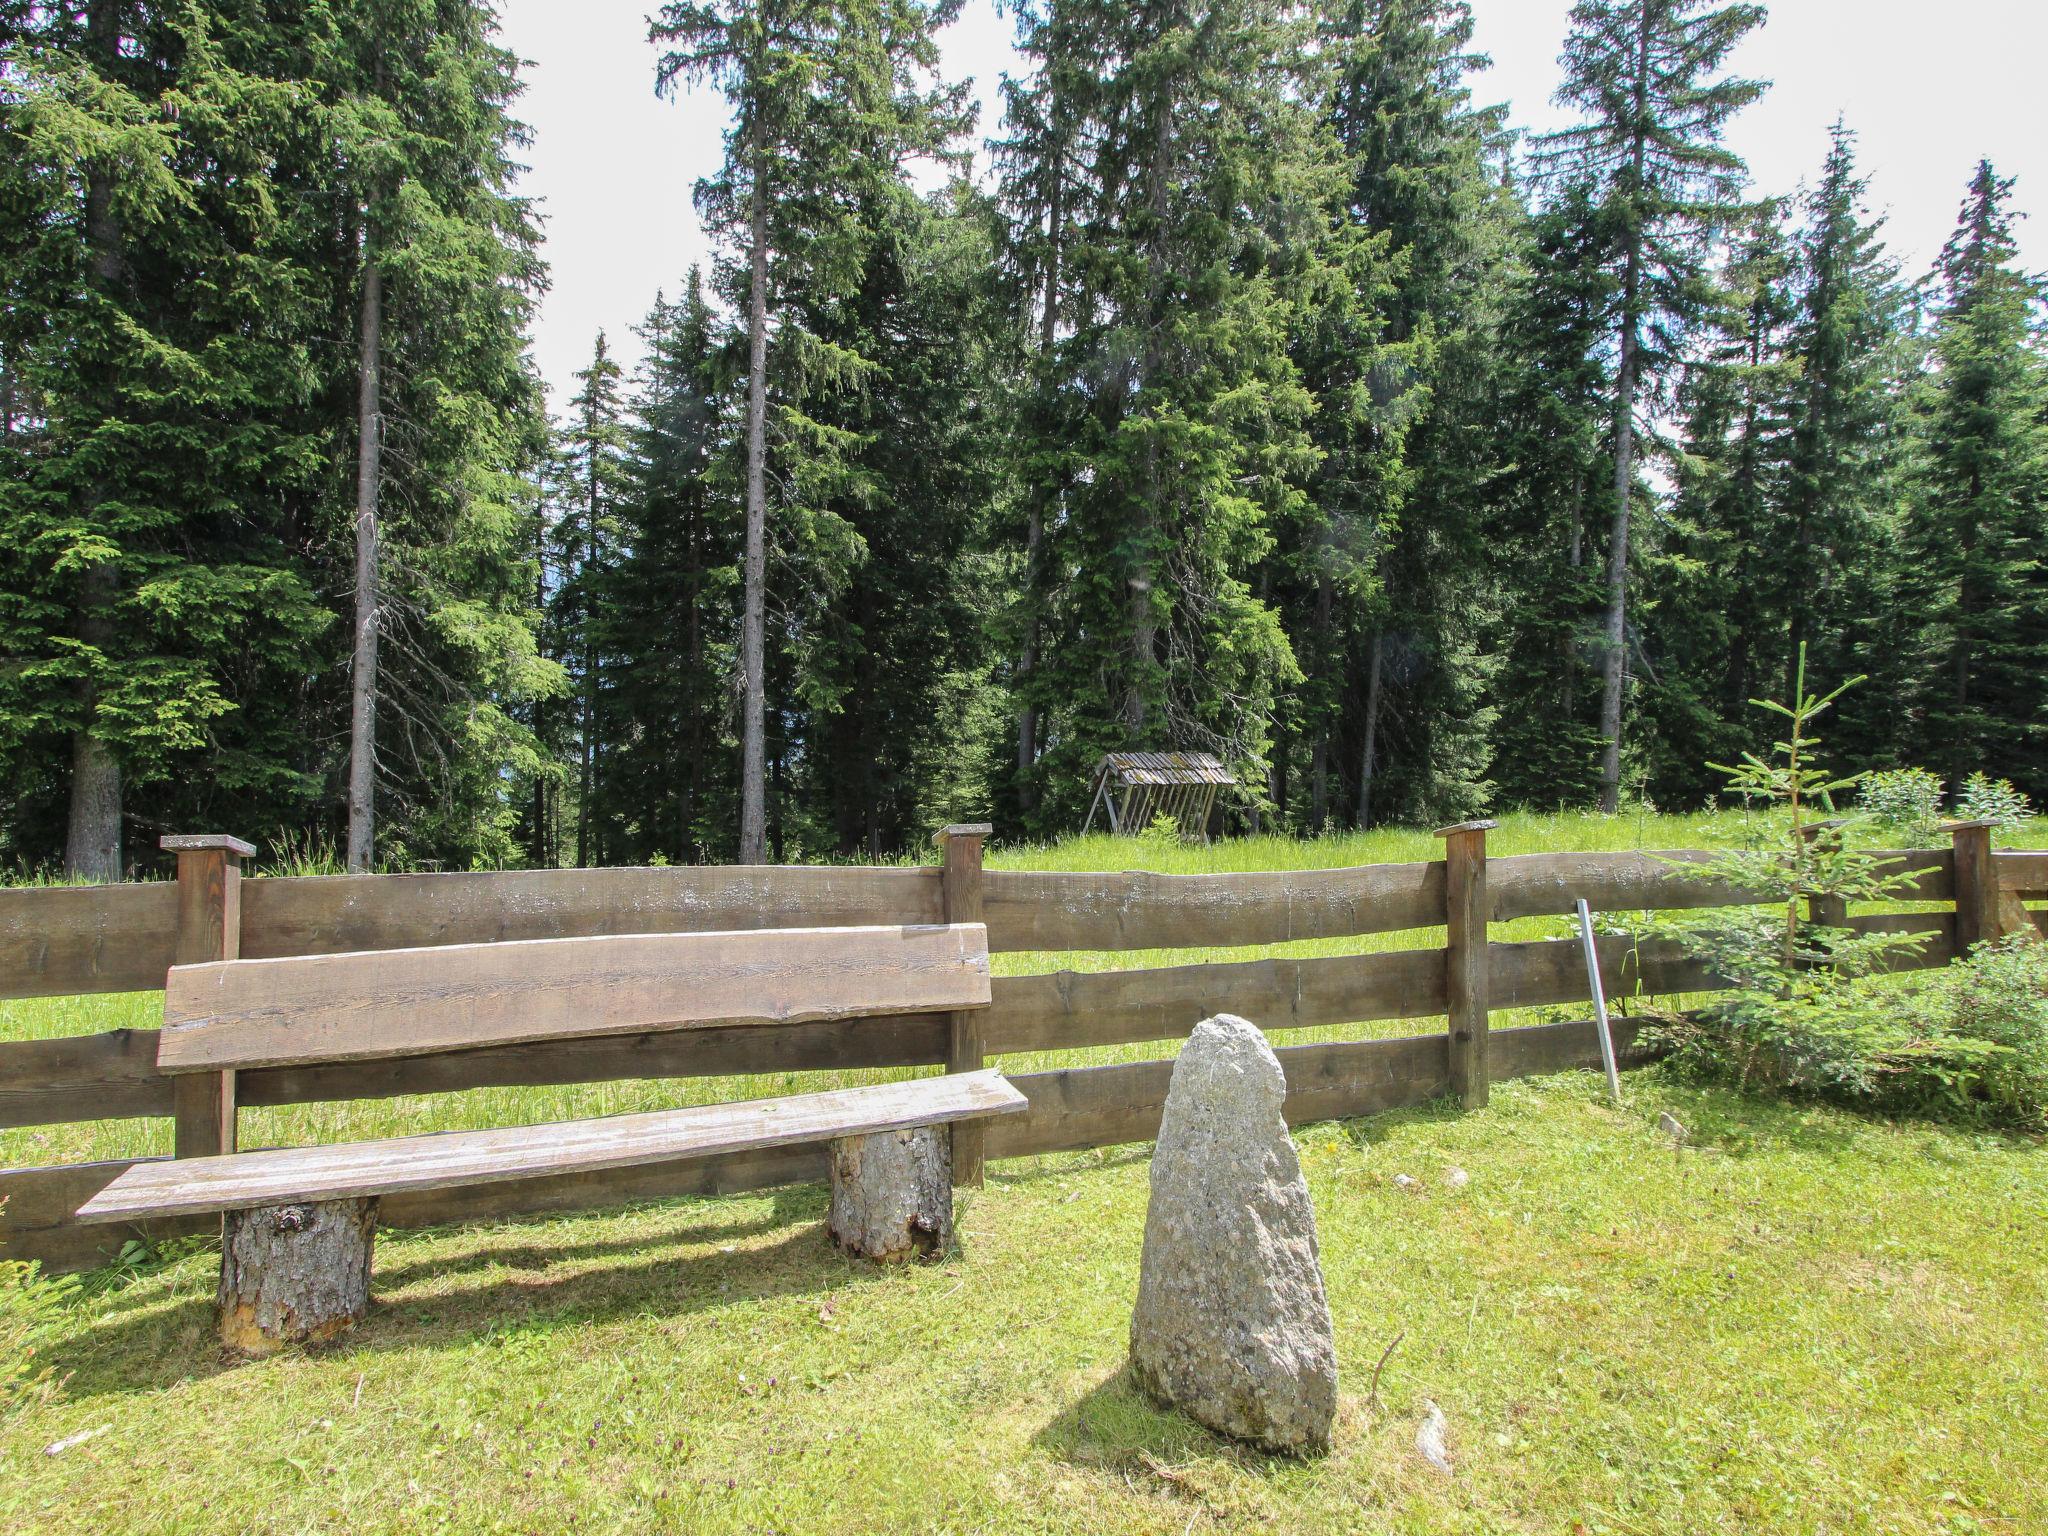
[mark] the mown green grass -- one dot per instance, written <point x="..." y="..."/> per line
<point x="1804" y="1321"/>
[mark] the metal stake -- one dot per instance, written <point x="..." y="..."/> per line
<point x="1599" y="1000"/>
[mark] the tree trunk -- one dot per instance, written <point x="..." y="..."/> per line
<point x="892" y="1194"/>
<point x="1614" y="660"/>
<point x="1144" y="576"/>
<point x="1369" y="761"/>
<point x="294" y="1274"/>
<point x="92" y="842"/>
<point x="593" y="559"/>
<point x="362" y="736"/>
<point x="753" y="642"/>
<point x="1034" y="529"/>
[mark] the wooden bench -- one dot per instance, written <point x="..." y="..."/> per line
<point x="300" y="1222"/>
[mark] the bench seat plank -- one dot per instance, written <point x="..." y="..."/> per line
<point x="354" y="1170"/>
<point x="242" y="1014"/>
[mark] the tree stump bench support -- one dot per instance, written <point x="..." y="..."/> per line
<point x="892" y="1194"/>
<point x="294" y="1274"/>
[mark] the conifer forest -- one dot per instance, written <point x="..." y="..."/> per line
<point x="1248" y="387"/>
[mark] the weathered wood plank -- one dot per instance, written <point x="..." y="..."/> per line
<point x="333" y="914"/>
<point x="1068" y="1009"/>
<point x="60" y="940"/>
<point x="1551" y="884"/>
<point x="111" y="1076"/>
<point x="256" y="1013"/>
<point x="2025" y="874"/>
<point x="36" y="1222"/>
<point x="1047" y="910"/>
<point x="1084" y="1107"/>
<point x="457" y="1159"/>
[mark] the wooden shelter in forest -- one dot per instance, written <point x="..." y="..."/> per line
<point x="1134" y="789"/>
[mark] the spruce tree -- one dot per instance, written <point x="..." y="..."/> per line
<point x="1647" y="76"/>
<point x="158" y="467"/>
<point x="1978" y="532"/>
<point x="828" y="101"/>
<point x="668" y="604"/>
<point x="1190" y="413"/>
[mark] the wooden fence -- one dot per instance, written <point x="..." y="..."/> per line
<point x="121" y="938"/>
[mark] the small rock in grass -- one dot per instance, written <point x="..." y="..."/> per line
<point x="1404" y="1182"/>
<point x="1430" y="1437"/>
<point x="1232" y="1325"/>
<point x="1668" y="1124"/>
<point x="1457" y="1178"/>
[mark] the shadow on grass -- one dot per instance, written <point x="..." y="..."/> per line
<point x="1116" y="1427"/>
<point x="1059" y="1165"/>
<point x="156" y="1349"/>
<point x="790" y="1206"/>
<point x="1374" y="1129"/>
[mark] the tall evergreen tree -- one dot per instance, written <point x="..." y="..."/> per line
<point x="156" y="471"/>
<point x="1647" y="76"/>
<point x="1978" y="535"/>
<point x="668" y="604"/>
<point x="1421" y="188"/>
<point x="828" y="101"/>
<point x="594" y="474"/>
<point x="1189" y="413"/>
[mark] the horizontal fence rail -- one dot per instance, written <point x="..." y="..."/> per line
<point x="64" y="941"/>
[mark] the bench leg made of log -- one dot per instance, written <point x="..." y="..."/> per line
<point x="294" y="1274"/>
<point x="892" y="1194"/>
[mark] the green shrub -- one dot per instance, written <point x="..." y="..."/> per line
<point x="1905" y="802"/>
<point x="1811" y="1009"/>
<point x="1994" y="800"/>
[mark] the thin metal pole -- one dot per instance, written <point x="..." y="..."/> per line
<point x="1599" y="1000"/>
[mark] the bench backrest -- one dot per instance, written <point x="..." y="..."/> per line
<point x="409" y="1002"/>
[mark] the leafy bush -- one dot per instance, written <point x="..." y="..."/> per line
<point x="1994" y="800"/>
<point x="1904" y="801"/>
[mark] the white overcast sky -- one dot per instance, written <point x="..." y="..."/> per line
<point x="1930" y="86"/>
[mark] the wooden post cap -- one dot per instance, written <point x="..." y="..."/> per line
<point x="203" y="841"/>
<point x="1467" y="826"/>
<point x="1969" y="826"/>
<point x="964" y="829"/>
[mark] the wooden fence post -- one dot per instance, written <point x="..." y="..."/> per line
<point x="209" y="928"/>
<point x="1983" y="912"/>
<point x="960" y="902"/>
<point x="1468" y="965"/>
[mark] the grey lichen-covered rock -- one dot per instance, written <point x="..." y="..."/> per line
<point x="1232" y="1325"/>
<point x="892" y="1194"/>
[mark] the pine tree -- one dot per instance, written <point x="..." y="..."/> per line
<point x="667" y="605"/>
<point x="1714" y="581"/>
<point x="1647" y="76"/>
<point x="1188" y="412"/>
<point x="157" y="466"/>
<point x="444" y="417"/>
<point x="1421" y="188"/>
<point x="827" y="103"/>
<point x="1555" y="407"/>
<point x="1978" y="532"/>
<point x="594" y="472"/>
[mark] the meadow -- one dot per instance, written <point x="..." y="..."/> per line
<point x="1800" y="1320"/>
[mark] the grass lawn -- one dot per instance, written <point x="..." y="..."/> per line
<point x="1804" y="1321"/>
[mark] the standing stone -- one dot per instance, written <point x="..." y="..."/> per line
<point x="892" y="1194"/>
<point x="1232" y="1325"/>
<point x="294" y="1274"/>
